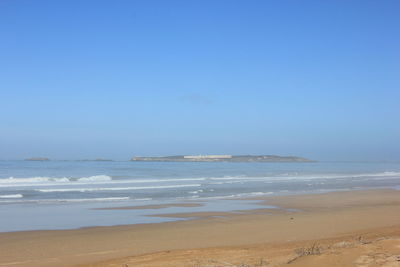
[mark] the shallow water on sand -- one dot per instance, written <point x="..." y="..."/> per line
<point x="62" y="194"/>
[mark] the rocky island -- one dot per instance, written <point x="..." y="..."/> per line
<point x="224" y="158"/>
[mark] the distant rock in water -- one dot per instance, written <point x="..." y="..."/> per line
<point x="37" y="159"/>
<point x="224" y="158"/>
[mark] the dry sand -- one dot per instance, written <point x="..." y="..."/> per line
<point x="336" y="229"/>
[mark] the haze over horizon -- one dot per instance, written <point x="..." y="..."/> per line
<point x="105" y="79"/>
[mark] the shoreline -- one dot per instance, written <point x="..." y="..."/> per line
<point x="299" y="218"/>
<point x="153" y="206"/>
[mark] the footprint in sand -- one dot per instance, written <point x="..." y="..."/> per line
<point x="364" y="260"/>
<point x="379" y="259"/>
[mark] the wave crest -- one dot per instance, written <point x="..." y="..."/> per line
<point x="41" y="180"/>
<point x="12" y="196"/>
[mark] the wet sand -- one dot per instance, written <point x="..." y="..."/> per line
<point x="153" y="207"/>
<point x="334" y="229"/>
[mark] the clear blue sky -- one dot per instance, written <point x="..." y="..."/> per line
<point x="114" y="79"/>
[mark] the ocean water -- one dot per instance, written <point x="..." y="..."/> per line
<point x="65" y="194"/>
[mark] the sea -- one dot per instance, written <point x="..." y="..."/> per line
<point x="49" y="195"/>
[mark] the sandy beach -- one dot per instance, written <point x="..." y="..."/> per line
<point x="357" y="228"/>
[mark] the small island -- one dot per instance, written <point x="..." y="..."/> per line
<point x="223" y="158"/>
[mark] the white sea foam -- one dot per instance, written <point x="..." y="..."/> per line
<point x="12" y="180"/>
<point x="44" y="180"/>
<point x="105" y="179"/>
<point x="143" y="199"/>
<point x="97" y="179"/>
<point x="49" y="201"/>
<point x="115" y="188"/>
<point x="229" y="179"/>
<point x="12" y="196"/>
<point x="196" y="192"/>
<point x="233" y="182"/>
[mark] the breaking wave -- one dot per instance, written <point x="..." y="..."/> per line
<point x="12" y="196"/>
<point x="97" y="179"/>
<point x="37" y="180"/>
<point x="105" y="179"/>
<point x="307" y="177"/>
<point x="115" y="188"/>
